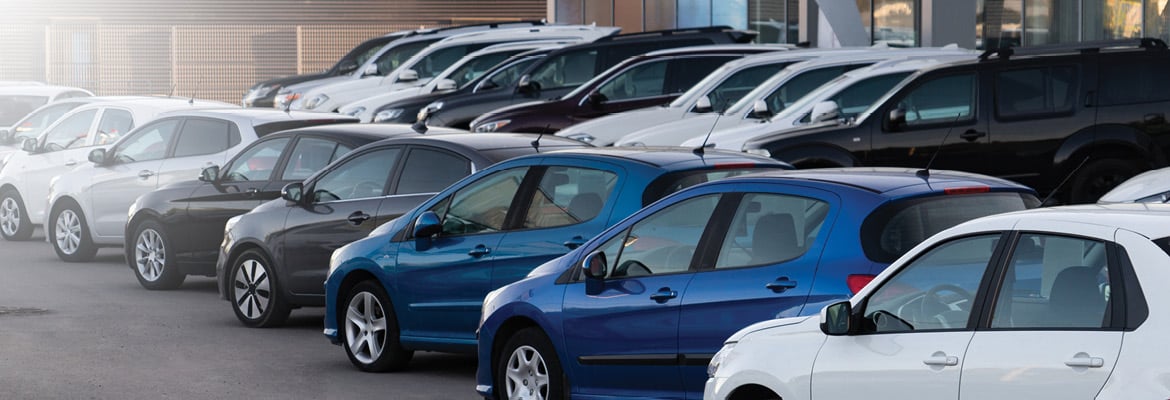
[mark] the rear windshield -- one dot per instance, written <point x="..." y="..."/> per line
<point x="898" y="226"/>
<point x="274" y="127"/>
<point x="677" y="181"/>
<point x="13" y="108"/>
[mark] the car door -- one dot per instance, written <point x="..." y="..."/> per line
<point x="131" y="171"/>
<point x="1056" y="324"/>
<point x="341" y="208"/>
<point x="59" y="149"/>
<point x="201" y="143"/>
<point x="768" y="254"/>
<point x="621" y="332"/>
<point x="443" y="279"/>
<point x="914" y="328"/>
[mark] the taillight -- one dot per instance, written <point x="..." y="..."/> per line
<point x="858" y="281"/>
<point x="967" y="190"/>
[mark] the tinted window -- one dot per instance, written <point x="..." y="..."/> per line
<point x="1054" y="282"/>
<point x="859" y="97"/>
<point x="149" y="143"/>
<point x="1134" y="81"/>
<point x="393" y="58"/>
<point x="505" y="77"/>
<point x="800" y="85"/>
<point x="359" y="177"/>
<point x="771" y="228"/>
<point x="1035" y="91"/>
<point x="685" y="73"/>
<point x="311" y="155"/>
<point x="70" y="132"/>
<point x="940" y="100"/>
<point x="203" y="136"/>
<point x="566" y="70"/>
<point x="482" y="206"/>
<point x="568" y="195"/>
<point x="35" y="123"/>
<point x="740" y="83"/>
<point x="471" y="70"/>
<point x="661" y="243"/>
<point x="431" y="171"/>
<point x="643" y="80"/>
<point x="113" y="125"/>
<point x="434" y="63"/>
<point x="257" y="163"/>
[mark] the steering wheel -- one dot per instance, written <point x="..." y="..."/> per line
<point x="362" y="188"/>
<point x="931" y="304"/>
<point x="631" y="268"/>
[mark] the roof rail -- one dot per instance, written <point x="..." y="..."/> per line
<point x="669" y="32"/>
<point x="1094" y="46"/>
<point x="530" y="22"/>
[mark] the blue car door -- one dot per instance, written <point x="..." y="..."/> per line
<point x="621" y="332"/>
<point x="767" y="256"/>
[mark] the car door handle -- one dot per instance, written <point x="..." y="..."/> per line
<point x="70" y="163"/>
<point x="972" y="135"/>
<point x="575" y="242"/>
<point x="252" y="192"/>
<point x="1083" y="360"/>
<point x="358" y="217"/>
<point x="781" y="284"/>
<point x="663" y="295"/>
<point x="145" y="174"/>
<point x="479" y="251"/>
<point x="940" y="359"/>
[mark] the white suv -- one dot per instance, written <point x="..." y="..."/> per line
<point x="1052" y="303"/>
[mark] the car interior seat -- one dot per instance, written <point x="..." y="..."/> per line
<point x="1076" y="300"/>
<point x="774" y="239"/>
<point x="585" y="206"/>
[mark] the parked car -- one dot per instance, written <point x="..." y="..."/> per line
<point x="647" y="80"/>
<point x="458" y="75"/>
<point x="1092" y="113"/>
<point x="25" y="175"/>
<point x="176" y="230"/>
<point x="17" y="101"/>
<point x="433" y="59"/>
<point x="639" y="310"/>
<point x="35" y="122"/>
<point x="418" y="283"/>
<point x="1148" y="187"/>
<point x="1023" y="305"/>
<point x="562" y="71"/>
<point x="274" y="258"/>
<point x="88" y="205"/>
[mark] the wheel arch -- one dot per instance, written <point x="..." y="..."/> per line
<point x="752" y="392"/>
<point x="1069" y="160"/>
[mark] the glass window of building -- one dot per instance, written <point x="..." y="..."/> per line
<point x="893" y="22"/>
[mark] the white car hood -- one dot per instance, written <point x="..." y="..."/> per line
<point x="771" y="324"/>
<point x="608" y="129"/>
<point x="345" y="92"/>
<point x="372" y="103"/>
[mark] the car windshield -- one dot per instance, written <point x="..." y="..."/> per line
<point x="395" y="56"/>
<point x="724" y="87"/>
<point x="15" y="107"/>
<point x="35" y="123"/>
<point x="506" y="76"/>
<point x="468" y="71"/>
<point x="432" y="64"/>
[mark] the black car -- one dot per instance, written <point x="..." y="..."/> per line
<point x="1092" y="114"/>
<point x="181" y="224"/>
<point x="274" y="258"/>
<point x="565" y="69"/>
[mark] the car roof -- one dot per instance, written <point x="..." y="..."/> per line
<point x="719" y="48"/>
<point x="368" y="131"/>
<point x="38" y="90"/>
<point x="1149" y="220"/>
<point x="519" y="32"/>
<point x="890" y="181"/>
<point x="257" y="116"/>
<point x="674" y="158"/>
<point x="527" y="45"/>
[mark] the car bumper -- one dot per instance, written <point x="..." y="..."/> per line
<point x="332" y="330"/>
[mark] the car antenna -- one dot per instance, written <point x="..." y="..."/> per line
<point x="536" y="143"/>
<point x="288" y="107"/>
<point x="1063" y="181"/>
<point x="702" y="148"/>
<point x="925" y="172"/>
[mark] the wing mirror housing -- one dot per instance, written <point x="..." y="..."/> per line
<point x="209" y="174"/>
<point x="97" y="156"/>
<point x="595" y="266"/>
<point x="703" y="106"/>
<point x="293" y="192"/>
<point x="427" y="224"/>
<point x="347" y="66"/>
<point x="837" y="319"/>
<point x="825" y="111"/>
<point x="596" y="99"/>
<point x="760" y="110"/>
<point x="29" y="145"/>
<point x="409" y="75"/>
<point x="445" y="85"/>
<point x="527" y="87"/>
<point x="370" y="70"/>
<point x="897" y="118"/>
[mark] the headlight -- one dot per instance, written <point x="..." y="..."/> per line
<point x="492" y="126"/>
<point x="355" y="111"/>
<point x="717" y="360"/>
<point x="388" y="115"/>
<point x="316" y="101"/>
<point x="758" y="152"/>
<point x="426" y="112"/>
<point x="584" y="137"/>
<point x="284" y="99"/>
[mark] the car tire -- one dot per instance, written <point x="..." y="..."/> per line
<point x="14" y="222"/>
<point x="69" y="234"/>
<point x="255" y="291"/>
<point x="148" y="258"/>
<point x="372" y="346"/>
<point x="527" y="367"/>
<point x="1098" y="177"/>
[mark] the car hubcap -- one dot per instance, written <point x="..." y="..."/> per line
<point x="252" y="291"/>
<point x="68" y="232"/>
<point x="150" y="255"/>
<point x="9" y="216"/>
<point x="526" y="375"/>
<point x="365" y="327"/>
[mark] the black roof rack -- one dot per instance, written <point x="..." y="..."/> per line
<point x="488" y="24"/>
<point x="669" y="32"/>
<point x="1094" y="46"/>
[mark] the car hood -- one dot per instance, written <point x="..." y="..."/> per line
<point x="804" y="324"/>
<point x="608" y="129"/>
<point x="1144" y="185"/>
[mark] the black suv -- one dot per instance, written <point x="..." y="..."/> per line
<point x="1091" y="113"/>
<point x="565" y="69"/>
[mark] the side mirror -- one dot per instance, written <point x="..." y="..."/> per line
<point x="293" y="192"/>
<point x="703" y="106"/>
<point x="370" y="70"/>
<point x="347" y="66"/>
<point x="427" y="224"/>
<point x="825" y="111"/>
<point x="527" y="87"/>
<point x="97" y="156"/>
<point x="595" y="266"/>
<point x="409" y="75"/>
<point x="836" y="319"/>
<point x="596" y="99"/>
<point x="760" y="110"/>
<point x="445" y="85"/>
<point x="209" y="174"/>
<point x="29" y="145"/>
<point x="897" y="118"/>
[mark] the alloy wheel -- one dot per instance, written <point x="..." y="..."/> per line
<point x="9" y="216"/>
<point x="252" y="289"/>
<point x="365" y="327"/>
<point x="150" y="255"/>
<point x="526" y="375"/>
<point x="68" y="231"/>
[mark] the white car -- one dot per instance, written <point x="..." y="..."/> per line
<point x="88" y="206"/>
<point x="425" y="65"/>
<point x="35" y="122"/>
<point x="1148" y="187"/>
<point x="463" y="71"/>
<point x="1051" y="303"/>
<point x="25" y="175"/>
<point x="16" y="101"/>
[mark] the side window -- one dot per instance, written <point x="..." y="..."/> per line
<point x="569" y="195"/>
<point x="148" y="143"/>
<point x="933" y="292"/>
<point x="771" y="228"/>
<point x="114" y="124"/>
<point x="857" y="98"/>
<point x="431" y="171"/>
<point x="70" y="132"/>
<point x="309" y="156"/>
<point x="682" y="74"/>
<point x="203" y="136"/>
<point x="1054" y="282"/>
<point x="1134" y="81"/>
<point x="257" y="163"/>
<point x="360" y="177"/>
<point x="481" y="207"/>
<point x="740" y="83"/>
<point x="642" y="80"/>
<point x="567" y="70"/>
<point x="662" y="243"/>
<point x="1035" y="91"/>
<point x="800" y="85"/>
<point x="506" y="76"/>
<point x="941" y="100"/>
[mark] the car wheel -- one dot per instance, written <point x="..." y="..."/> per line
<point x="371" y="330"/>
<point x="255" y="292"/>
<point x="149" y="258"/>
<point x="70" y="235"/>
<point x="527" y="368"/>
<point x="14" y="223"/>
<point x="1099" y="177"/>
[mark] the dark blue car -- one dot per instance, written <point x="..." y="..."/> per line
<point x="418" y="282"/>
<point x="639" y="310"/>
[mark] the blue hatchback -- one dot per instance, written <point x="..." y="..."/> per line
<point x="640" y="310"/>
<point x="418" y="282"/>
